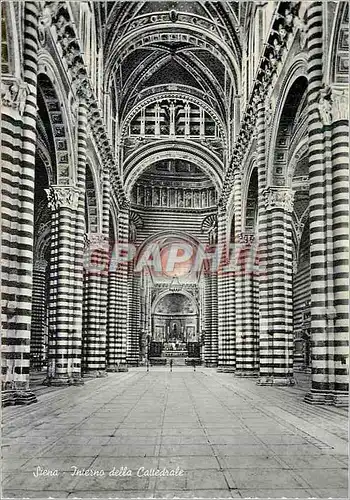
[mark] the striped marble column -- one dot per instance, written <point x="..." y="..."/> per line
<point x="96" y="290"/>
<point x="112" y="348"/>
<point x="39" y="308"/>
<point x="237" y="303"/>
<point x="247" y="307"/>
<point x="328" y="165"/>
<point x="63" y="202"/>
<point x="322" y="316"/>
<point x="79" y="240"/>
<point x="226" y="359"/>
<point x="340" y="229"/>
<point x="18" y="146"/>
<point x="106" y="205"/>
<point x="278" y="365"/>
<point x="94" y="333"/>
<point x="117" y="319"/>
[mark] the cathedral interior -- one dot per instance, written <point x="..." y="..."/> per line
<point x="175" y="189"/>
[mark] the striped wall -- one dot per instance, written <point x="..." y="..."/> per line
<point x="301" y="295"/>
<point x="157" y="221"/>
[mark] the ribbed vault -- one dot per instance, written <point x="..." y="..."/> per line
<point x="172" y="71"/>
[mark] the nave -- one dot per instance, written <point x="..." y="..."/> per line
<point x="231" y="438"/>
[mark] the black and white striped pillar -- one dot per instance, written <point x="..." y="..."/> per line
<point x="39" y="314"/>
<point x="94" y="331"/>
<point x="226" y="351"/>
<point x="247" y="328"/>
<point x="63" y="336"/>
<point x="18" y="146"/>
<point x="328" y="172"/>
<point x="276" y="362"/>
<point x="117" y="319"/>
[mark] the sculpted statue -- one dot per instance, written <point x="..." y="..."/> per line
<point x="325" y="105"/>
<point x="15" y="94"/>
<point x="132" y="232"/>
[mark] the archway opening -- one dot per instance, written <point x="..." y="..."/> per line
<point x="175" y="327"/>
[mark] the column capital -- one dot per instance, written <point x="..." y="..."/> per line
<point x="63" y="196"/>
<point x="14" y="93"/>
<point x="276" y="197"/>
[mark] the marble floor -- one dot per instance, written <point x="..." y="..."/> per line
<point x="183" y="434"/>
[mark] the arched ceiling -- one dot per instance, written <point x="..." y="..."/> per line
<point x="191" y="44"/>
<point x="172" y="70"/>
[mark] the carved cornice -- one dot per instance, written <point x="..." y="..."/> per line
<point x="279" y="198"/>
<point x="63" y="197"/>
<point x="247" y="239"/>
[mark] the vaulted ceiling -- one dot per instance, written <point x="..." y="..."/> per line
<point x="192" y="46"/>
